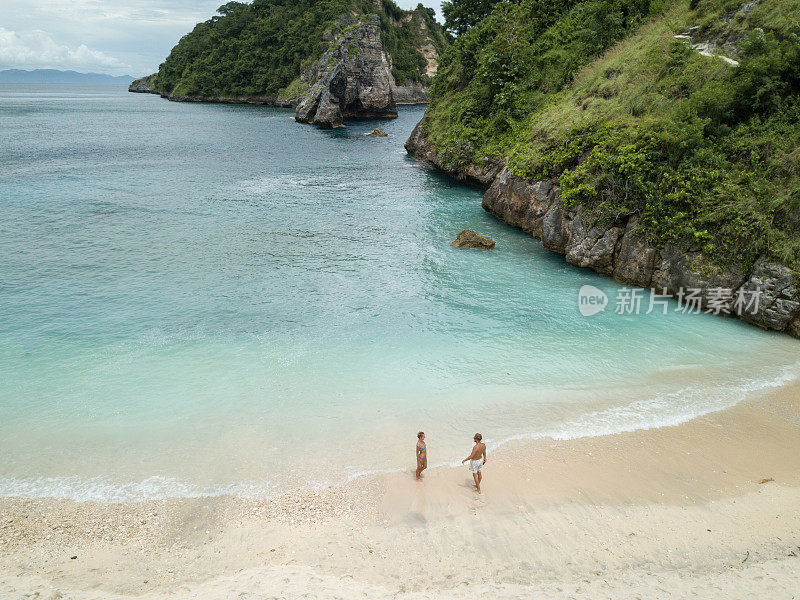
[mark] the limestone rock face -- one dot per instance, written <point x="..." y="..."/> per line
<point x="470" y="239"/>
<point x="556" y="228"/>
<point x="410" y="93"/>
<point x="636" y="257"/>
<point x="778" y="297"/>
<point x="680" y="269"/>
<point x="145" y="85"/>
<point x="415" y="92"/>
<point x="794" y="327"/>
<point x="518" y="202"/>
<point x="352" y="80"/>
<point x="592" y="246"/>
<point x="618" y="249"/>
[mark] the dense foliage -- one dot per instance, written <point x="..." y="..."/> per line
<point x="461" y="15"/>
<point x="507" y="66"/>
<point x="261" y="48"/>
<point x="600" y="95"/>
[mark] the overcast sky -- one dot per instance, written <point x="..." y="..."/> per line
<point x="119" y="37"/>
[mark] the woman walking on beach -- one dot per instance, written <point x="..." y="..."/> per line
<point x="422" y="454"/>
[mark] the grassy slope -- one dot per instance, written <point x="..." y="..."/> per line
<point x="706" y="153"/>
<point x="261" y="48"/>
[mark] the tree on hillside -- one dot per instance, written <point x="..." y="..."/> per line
<point x="421" y="8"/>
<point x="230" y="8"/>
<point x="460" y="15"/>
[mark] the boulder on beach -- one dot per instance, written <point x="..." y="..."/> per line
<point x="470" y="239"/>
<point x="376" y="133"/>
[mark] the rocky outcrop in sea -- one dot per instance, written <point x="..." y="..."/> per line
<point x="351" y="80"/>
<point x="621" y="250"/>
<point x="144" y="85"/>
<point x="354" y="78"/>
<point x="471" y="239"/>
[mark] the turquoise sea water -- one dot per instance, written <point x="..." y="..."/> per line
<point x="204" y="298"/>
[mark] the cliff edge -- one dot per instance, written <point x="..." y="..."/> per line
<point x="144" y="85"/>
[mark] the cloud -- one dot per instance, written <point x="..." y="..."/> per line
<point x="37" y="50"/>
<point x="139" y="33"/>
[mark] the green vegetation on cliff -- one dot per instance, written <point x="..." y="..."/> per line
<point x="461" y="15"/>
<point x="401" y="39"/>
<point x="600" y="94"/>
<point x="260" y="48"/>
<point x="512" y="62"/>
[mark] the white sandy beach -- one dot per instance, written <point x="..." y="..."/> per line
<point x="675" y="512"/>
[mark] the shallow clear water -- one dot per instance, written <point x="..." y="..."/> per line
<point x="206" y="298"/>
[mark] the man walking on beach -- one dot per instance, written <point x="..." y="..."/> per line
<point x="477" y="459"/>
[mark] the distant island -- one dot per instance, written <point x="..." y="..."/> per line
<point x="56" y="76"/>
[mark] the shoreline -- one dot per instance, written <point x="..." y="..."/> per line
<point x="594" y="421"/>
<point x="629" y="509"/>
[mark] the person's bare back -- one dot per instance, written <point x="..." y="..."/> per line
<point x="478" y="451"/>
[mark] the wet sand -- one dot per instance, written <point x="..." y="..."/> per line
<point x="665" y="513"/>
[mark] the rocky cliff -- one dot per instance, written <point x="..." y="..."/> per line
<point x="145" y="85"/>
<point x="373" y="56"/>
<point x="656" y="162"/>
<point x="352" y="80"/>
<point x="418" y="145"/>
<point x="619" y="249"/>
<point x="416" y="92"/>
<point x="411" y="93"/>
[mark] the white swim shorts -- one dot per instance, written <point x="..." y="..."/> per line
<point x="475" y="465"/>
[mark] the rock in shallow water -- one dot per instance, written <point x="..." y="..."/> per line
<point x="470" y="239"/>
<point x="376" y="133"/>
